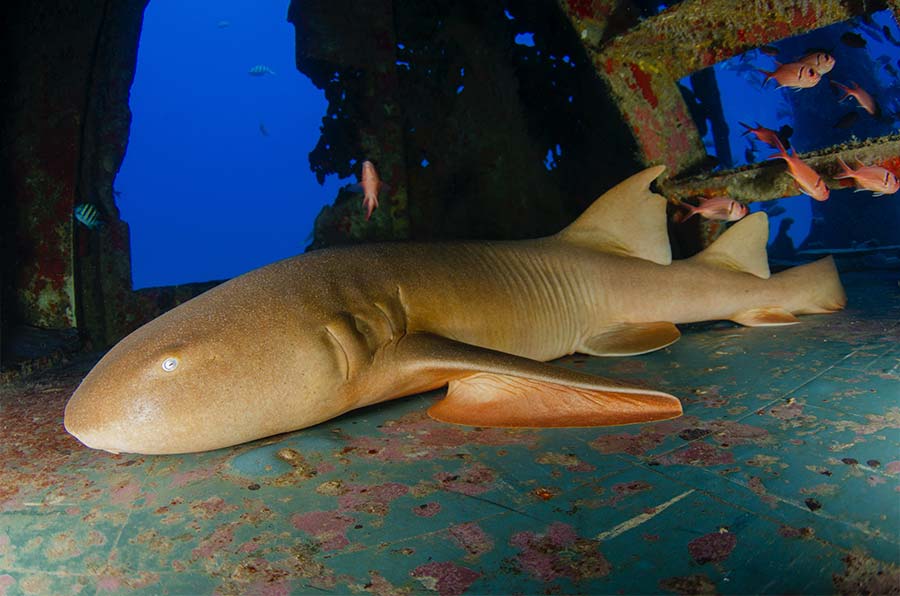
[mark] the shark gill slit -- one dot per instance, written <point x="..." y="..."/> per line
<point x="387" y="318"/>
<point x="404" y="310"/>
<point x="340" y="346"/>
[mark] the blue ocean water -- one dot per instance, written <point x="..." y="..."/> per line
<point x="216" y="178"/>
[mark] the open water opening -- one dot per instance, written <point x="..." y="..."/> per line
<point x="807" y="117"/>
<point x="216" y="178"/>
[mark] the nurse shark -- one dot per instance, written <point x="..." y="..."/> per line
<point x="303" y="340"/>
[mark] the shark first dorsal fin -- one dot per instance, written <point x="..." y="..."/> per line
<point x="742" y="247"/>
<point x="627" y="220"/>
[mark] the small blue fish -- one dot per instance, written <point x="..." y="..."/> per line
<point x="260" y="70"/>
<point x="88" y="215"/>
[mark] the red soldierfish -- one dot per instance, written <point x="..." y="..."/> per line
<point x="720" y="208"/>
<point x="879" y="180"/>
<point x="860" y="95"/>
<point x="766" y="135"/>
<point x="796" y="75"/>
<point x="822" y="62"/>
<point x="371" y="186"/>
<point x="809" y="181"/>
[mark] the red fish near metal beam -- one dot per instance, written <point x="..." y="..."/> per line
<point x="718" y="208"/>
<point x="877" y="179"/>
<point x="807" y="179"/>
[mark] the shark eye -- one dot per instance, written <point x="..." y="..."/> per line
<point x="170" y="364"/>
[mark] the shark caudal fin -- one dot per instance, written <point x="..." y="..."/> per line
<point x="627" y="220"/>
<point x="818" y="287"/>
<point x="741" y="248"/>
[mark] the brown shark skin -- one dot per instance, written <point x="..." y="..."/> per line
<point x="308" y="338"/>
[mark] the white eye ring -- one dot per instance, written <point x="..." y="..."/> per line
<point x="170" y="364"/>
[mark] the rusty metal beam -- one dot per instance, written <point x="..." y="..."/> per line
<point x="770" y="180"/>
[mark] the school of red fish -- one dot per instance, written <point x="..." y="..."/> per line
<point x="804" y="73"/>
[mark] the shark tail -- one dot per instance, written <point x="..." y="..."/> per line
<point x="821" y="289"/>
<point x="814" y="287"/>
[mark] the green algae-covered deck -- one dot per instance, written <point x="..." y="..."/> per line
<point x="781" y="477"/>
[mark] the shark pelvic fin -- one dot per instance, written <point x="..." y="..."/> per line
<point x="764" y="317"/>
<point x="490" y="388"/>
<point x="627" y="220"/>
<point x="742" y="247"/>
<point x="630" y="339"/>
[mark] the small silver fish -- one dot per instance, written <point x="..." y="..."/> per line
<point x="260" y="70"/>
<point x="88" y="215"/>
<point x="223" y="24"/>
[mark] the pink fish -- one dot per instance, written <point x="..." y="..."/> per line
<point x="866" y="101"/>
<point x="879" y="180"/>
<point x="822" y="62"/>
<point x="766" y="135"/>
<point x="795" y="75"/>
<point x="371" y="186"/>
<point x="809" y="181"/>
<point x="720" y="208"/>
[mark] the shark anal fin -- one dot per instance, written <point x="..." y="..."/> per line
<point x="491" y="388"/>
<point x="497" y="400"/>
<point x="630" y="339"/>
<point x="764" y="317"/>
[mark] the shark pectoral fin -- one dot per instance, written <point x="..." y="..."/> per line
<point x="630" y="339"/>
<point x="490" y="388"/>
<point x="499" y="400"/>
<point x="764" y="317"/>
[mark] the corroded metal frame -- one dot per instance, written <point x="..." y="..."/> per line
<point x="642" y="67"/>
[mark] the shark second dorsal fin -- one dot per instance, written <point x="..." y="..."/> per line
<point x="742" y="247"/>
<point x="627" y="220"/>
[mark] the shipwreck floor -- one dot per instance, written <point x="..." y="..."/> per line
<point x="781" y="477"/>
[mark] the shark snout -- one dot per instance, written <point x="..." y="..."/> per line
<point x="82" y="421"/>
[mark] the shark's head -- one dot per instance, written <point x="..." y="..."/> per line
<point x="204" y="376"/>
